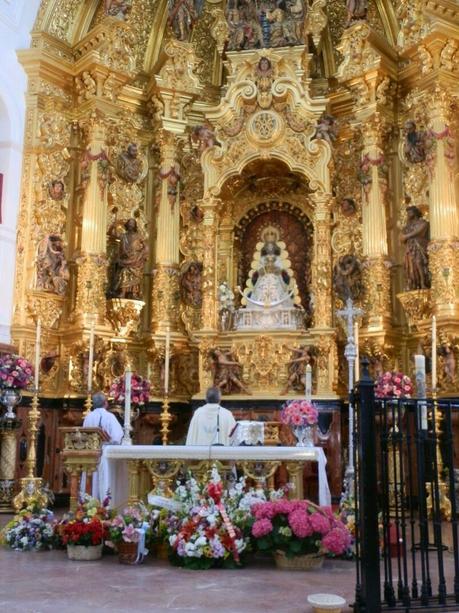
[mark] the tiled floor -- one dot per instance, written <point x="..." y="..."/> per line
<point x="47" y="582"/>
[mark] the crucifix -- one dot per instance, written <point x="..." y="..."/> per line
<point x="349" y="313"/>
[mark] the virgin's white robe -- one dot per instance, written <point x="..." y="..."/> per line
<point x="101" y="418"/>
<point x="203" y="426"/>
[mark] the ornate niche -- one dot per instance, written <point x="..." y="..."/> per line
<point x="295" y="229"/>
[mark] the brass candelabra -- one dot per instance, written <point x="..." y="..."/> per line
<point x="165" y="419"/>
<point x="31" y="491"/>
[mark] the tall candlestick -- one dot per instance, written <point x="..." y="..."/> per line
<point x="308" y="386"/>
<point x="91" y="357"/>
<point x="357" y="353"/>
<point x="127" y="408"/>
<point x="434" y="353"/>
<point x="37" y="354"/>
<point x="166" y="363"/>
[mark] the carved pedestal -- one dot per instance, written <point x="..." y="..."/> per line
<point x="8" y="447"/>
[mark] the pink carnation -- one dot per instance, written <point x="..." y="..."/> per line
<point x="262" y="527"/>
<point x="300" y="524"/>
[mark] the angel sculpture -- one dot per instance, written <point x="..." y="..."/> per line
<point x="227" y="372"/>
<point x="297" y="368"/>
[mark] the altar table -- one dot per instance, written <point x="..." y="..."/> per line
<point x="120" y="465"/>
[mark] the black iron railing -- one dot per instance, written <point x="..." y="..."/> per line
<point x="407" y="534"/>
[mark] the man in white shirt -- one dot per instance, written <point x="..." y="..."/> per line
<point x="211" y="424"/>
<point x="106" y="421"/>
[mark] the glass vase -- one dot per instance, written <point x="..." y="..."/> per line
<point x="304" y="436"/>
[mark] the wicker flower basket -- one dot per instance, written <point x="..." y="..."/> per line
<point x="82" y="553"/>
<point x="310" y="561"/>
<point x="127" y="553"/>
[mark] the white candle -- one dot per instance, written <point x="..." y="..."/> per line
<point x="420" y="369"/>
<point x="166" y="360"/>
<point x="434" y="353"/>
<point x="308" y="387"/>
<point x="357" y="353"/>
<point x="127" y="408"/>
<point x="37" y="353"/>
<point x="91" y="357"/>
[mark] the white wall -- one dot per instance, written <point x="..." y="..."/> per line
<point x="16" y="20"/>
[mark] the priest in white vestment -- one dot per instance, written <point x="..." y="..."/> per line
<point x="211" y="424"/>
<point x="106" y="421"/>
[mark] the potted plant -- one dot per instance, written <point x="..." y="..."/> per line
<point x="127" y="532"/>
<point x="32" y="529"/>
<point x="302" y="417"/>
<point x="16" y="373"/>
<point x="298" y="533"/>
<point x="84" y="532"/>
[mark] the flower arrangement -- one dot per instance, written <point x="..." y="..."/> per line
<point x="15" y="372"/>
<point x="209" y="526"/>
<point x="393" y="385"/>
<point x="127" y="527"/>
<point x="298" y="527"/>
<point x="31" y="530"/>
<point x="140" y="389"/>
<point x="88" y="525"/>
<point x="299" y="413"/>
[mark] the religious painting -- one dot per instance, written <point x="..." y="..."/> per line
<point x="294" y="229"/>
<point x="256" y="24"/>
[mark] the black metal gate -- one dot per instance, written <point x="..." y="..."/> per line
<point x="407" y="535"/>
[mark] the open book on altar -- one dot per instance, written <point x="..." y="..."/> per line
<point x="247" y="432"/>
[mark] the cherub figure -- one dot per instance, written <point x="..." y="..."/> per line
<point x="205" y="136"/>
<point x="326" y="129"/>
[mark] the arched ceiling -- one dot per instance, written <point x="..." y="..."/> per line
<point x="71" y="20"/>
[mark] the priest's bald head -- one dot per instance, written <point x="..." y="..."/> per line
<point x="213" y="395"/>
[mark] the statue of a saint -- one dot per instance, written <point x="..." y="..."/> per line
<point x="414" y="147"/>
<point x="52" y="271"/>
<point x="129" y="166"/>
<point x="191" y="284"/>
<point x="357" y="10"/>
<point x="182" y="16"/>
<point x="415" y="236"/>
<point x="297" y="369"/>
<point x="226" y="304"/>
<point x="227" y="372"/>
<point x="347" y="277"/>
<point x="128" y="262"/>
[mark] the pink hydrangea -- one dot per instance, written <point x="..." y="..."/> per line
<point x="319" y="523"/>
<point x="337" y="541"/>
<point x="262" y="527"/>
<point x="300" y="524"/>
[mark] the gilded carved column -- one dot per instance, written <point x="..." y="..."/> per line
<point x="444" y="218"/>
<point x="166" y="292"/>
<point x="209" y="260"/>
<point x="92" y="263"/>
<point x="373" y="178"/>
<point x="323" y="332"/>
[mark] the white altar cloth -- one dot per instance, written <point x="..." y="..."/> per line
<point x="115" y="458"/>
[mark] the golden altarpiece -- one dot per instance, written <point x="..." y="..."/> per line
<point x="226" y="175"/>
